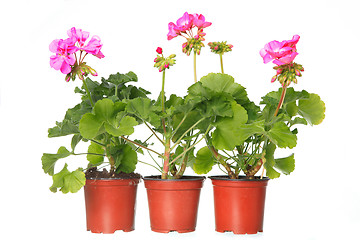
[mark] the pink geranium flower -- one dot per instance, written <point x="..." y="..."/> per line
<point x="80" y="35"/>
<point x="280" y="52"/>
<point x="185" y="23"/>
<point x="94" y="47"/>
<point x="64" y="56"/>
<point x="199" y="21"/>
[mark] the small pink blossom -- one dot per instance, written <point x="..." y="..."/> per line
<point x="64" y="56"/>
<point x="80" y="35"/>
<point x="94" y="47"/>
<point x="199" y="21"/>
<point x="280" y="52"/>
<point x="185" y="23"/>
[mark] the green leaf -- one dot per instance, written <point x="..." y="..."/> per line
<point x="58" y="179"/>
<point x="281" y="135"/>
<point x="144" y="109"/>
<point x="204" y="161"/>
<point x="223" y="83"/>
<point x="125" y="158"/>
<point x="97" y="149"/>
<point x="49" y="160"/>
<point x="270" y="161"/>
<point x="68" y="181"/>
<point x="125" y="127"/>
<point x="73" y="182"/>
<point x="106" y="118"/>
<point x="312" y="109"/>
<point x="119" y="78"/>
<point x="90" y="126"/>
<point x="291" y="109"/>
<point x="231" y="132"/>
<point x="285" y="165"/>
<point x="75" y="140"/>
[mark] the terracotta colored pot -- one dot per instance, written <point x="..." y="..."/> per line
<point x="110" y="204"/>
<point x="173" y="203"/>
<point x="239" y="204"/>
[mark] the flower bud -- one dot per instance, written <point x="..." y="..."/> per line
<point x="297" y="72"/>
<point x="92" y="71"/>
<point x="80" y="76"/>
<point x="172" y="56"/>
<point x="67" y="78"/>
<point x="279" y="71"/>
<point x="159" y="50"/>
<point x="273" y="79"/>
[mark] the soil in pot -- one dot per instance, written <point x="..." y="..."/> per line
<point x="239" y="204"/>
<point x="110" y="201"/>
<point x="173" y="203"/>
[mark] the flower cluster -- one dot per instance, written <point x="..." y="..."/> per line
<point x="163" y="63"/>
<point x="66" y="59"/>
<point x="283" y="54"/>
<point x="280" y="52"/>
<point x="220" y="47"/>
<point x="287" y="73"/>
<point x="184" y="27"/>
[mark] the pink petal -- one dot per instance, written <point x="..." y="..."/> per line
<point x="56" y="62"/>
<point x="53" y="47"/>
<point x="65" y="68"/>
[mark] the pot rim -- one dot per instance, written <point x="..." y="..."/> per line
<point x="187" y="178"/>
<point x="110" y="179"/>
<point x="241" y="178"/>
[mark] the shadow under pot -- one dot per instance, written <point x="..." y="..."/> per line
<point x="173" y="203"/>
<point x="239" y="204"/>
<point x="110" y="204"/>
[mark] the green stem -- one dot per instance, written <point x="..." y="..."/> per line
<point x="195" y="67"/>
<point x="180" y="138"/>
<point x="88" y="92"/>
<point x="138" y="144"/>
<point x="163" y="92"/>
<point x="221" y="63"/>
<point x="150" y="165"/>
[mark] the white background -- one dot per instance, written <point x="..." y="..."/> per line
<point x="319" y="200"/>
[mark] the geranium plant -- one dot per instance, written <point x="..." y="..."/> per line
<point x="99" y="118"/>
<point x="180" y="123"/>
<point x="247" y="138"/>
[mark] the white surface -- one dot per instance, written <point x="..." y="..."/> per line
<point x="319" y="200"/>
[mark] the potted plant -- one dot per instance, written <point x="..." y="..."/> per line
<point x="246" y="141"/>
<point x="100" y="120"/>
<point x="178" y="124"/>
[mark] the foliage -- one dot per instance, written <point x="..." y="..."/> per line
<point x="102" y="126"/>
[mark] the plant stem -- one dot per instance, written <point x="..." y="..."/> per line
<point x="88" y="93"/>
<point x="138" y="144"/>
<point x="195" y="67"/>
<point x="165" y="172"/>
<point x="150" y="165"/>
<point x="163" y="92"/>
<point x="221" y="63"/>
<point x="180" y="138"/>
<point x="222" y="162"/>
<point x="154" y="133"/>
<point x="282" y="98"/>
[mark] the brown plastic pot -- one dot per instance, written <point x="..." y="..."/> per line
<point x="110" y="204"/>
<point x="173" y="203"/>
<point x="239" y="204"/>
